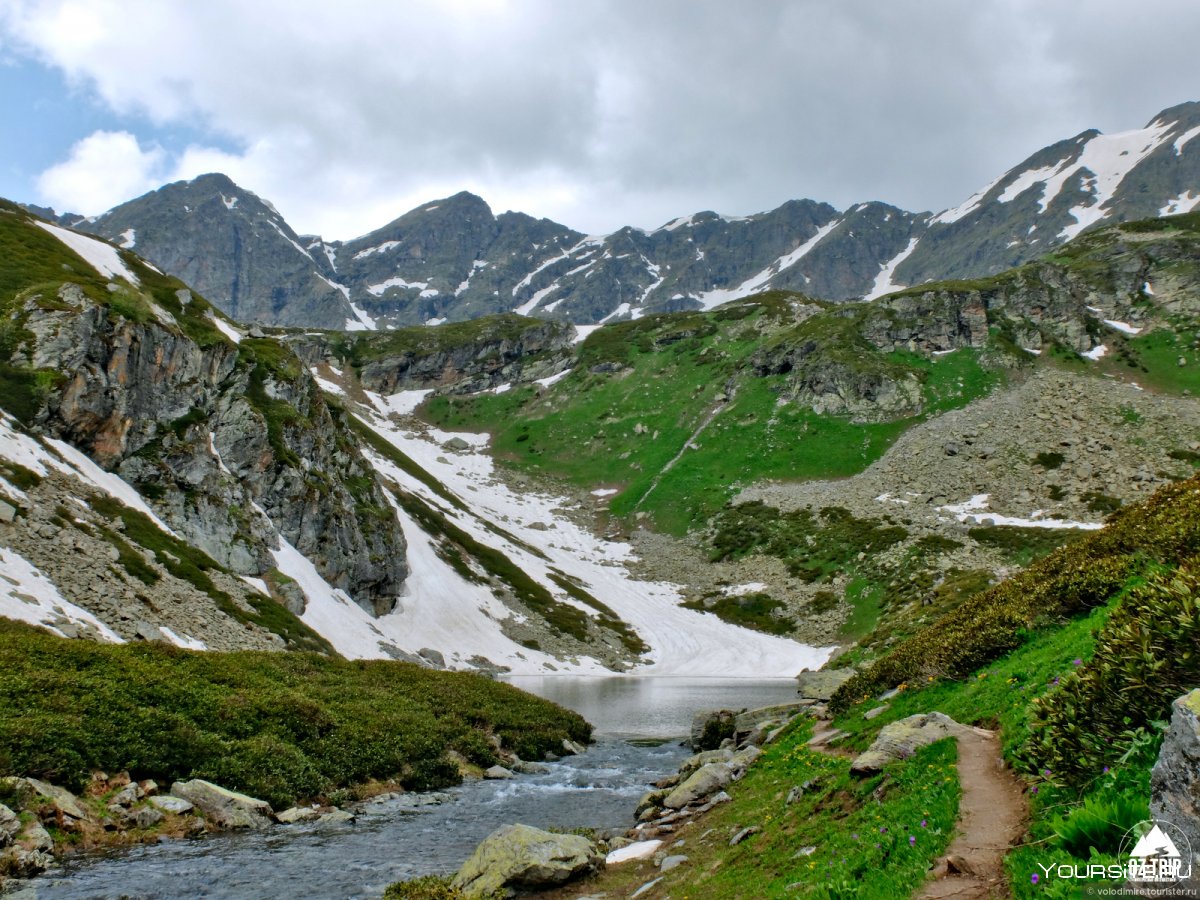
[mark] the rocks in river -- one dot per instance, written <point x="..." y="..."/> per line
<point x="520" y="856"/>
<point x="298" y="814"/>
<point x="497" y="772"/>
<point x="1175" y="778"/>
<point x="706" y="780"/>
<point x="528" y="768"/>
<point x="570" y="748"/>
<point x="900" y="740"/>
<point x="224" y="808"/>
<point x="711" y="727"/>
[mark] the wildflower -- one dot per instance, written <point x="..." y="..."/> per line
<point x="1034" y="790"/>
<point x="1034" y="878"/>
<point x="924" y="822"/>
<point x="883" y="829"/>
<point x="1055" y="681"/>
<point x="1105" y="770"/>
<point x="854" y="835"/>
<point x="1077" y="661"/>
<point x="912" y="841"/>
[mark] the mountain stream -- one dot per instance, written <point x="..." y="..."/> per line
<point x="419" y="834"/>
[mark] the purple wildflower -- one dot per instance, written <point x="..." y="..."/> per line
<point x="1034" y="877"/>
<point x="924" y="823"/>
<point x="912" y="841"/>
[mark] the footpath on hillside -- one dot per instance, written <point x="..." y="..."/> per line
<point x="991" y="815"/>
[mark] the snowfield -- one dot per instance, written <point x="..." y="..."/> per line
<point x="440" y="610"/>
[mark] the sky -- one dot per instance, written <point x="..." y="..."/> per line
<point x="594" y="113"/>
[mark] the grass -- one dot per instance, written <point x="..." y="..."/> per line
<point x="842" y="837"/>
<point x="640" y="391"/>
<point x="280" y="726"/>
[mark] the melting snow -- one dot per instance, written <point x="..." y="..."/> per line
<point x="128" y="239"/>
<point x="1095" y="353"/>
<point x="965" y="208"/>
<point x="975" y="510"/>
<point x="102" y="257"/>
<point x="582" y="331"/>
<point x="399" y="404"/>
<point x="225" y="328"/>
<point x="1122" y="326"/>
<point x="361" y="321"/>
<point x="378" y="248"/>
<point x="187" y="643"/>
<point x="230" y="202"/>
<point x="883" y="281"/>
<point x="759" y="281"/>
<point x="283" y="235"/>
<point x="741" y="590"/>
<point x="684" y="642"/>
<point x="1183" y="139"/>
<point x="636" y="850"/>
<point x="29" y="596"/>
<point x="605" y="492"/>
<point x="553" y="379"/>
<point x="1147" y="290"/>
<point x="1185" y="202"/>
<point x="378" y="289"/>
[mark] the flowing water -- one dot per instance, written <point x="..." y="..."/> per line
<point x="420" y="834"/>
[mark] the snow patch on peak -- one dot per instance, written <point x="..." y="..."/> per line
<point x="230" y="202"/>
<point x="128" y="239"/>
<point x="883" y="281"/>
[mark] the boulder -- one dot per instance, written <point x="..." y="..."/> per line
<point x="224" y="808"/>
<point x="10" y="825"/>
<point x="711" y="727"/>
<point x="1175" y="778"/>
<point x="60" y="798"/>
<point x="127" y="796"/>
<point x="822" y="684"/>
<point x="519" y="856"/>
<point x="750" y="719"/>
<point x="636" y="850"/>
<point x="146" y="817"/>
<point x="176" y="805"/>
<point x="706" y="780"/>
<point x="900" y="740"/>
<point x="337" y="817"/>
<point x="570" y="748"/>
<point x="299" y="814"/>
<point x="699" y="760"/>
<point x="497" y="772"/>
<point x="528" y="768"/>
<point x="670" y="862"/>
<point x="19" y="863"/>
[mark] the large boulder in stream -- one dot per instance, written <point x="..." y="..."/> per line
<point x="520" y="856"/>
<point x="223" y="807"/>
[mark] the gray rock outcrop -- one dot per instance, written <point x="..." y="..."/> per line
<point x="224" y="808"/>
<point x="519" y="856"/>
<point x="1175" y="778"/>
<point x="902" y="739"/>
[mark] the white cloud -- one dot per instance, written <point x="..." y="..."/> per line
<point x="102" y="170"/>
<point x="612" y="112"/>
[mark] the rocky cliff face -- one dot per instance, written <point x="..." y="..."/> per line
<point x="453" y="260"/>
<point x="229" y="439"/>
<point x="455" y="358"/>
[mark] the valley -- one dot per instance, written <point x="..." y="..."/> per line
<point x="294" y="554"/>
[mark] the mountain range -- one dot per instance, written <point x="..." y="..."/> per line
<point x="453" y="259"/>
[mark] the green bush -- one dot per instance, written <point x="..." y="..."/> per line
<point x="282" y="726"/>
<point x="1147" y="655"/>
<point x="1164" y="531"/>
<point x="428" y="887"/>
<point x="1100" y="822"/>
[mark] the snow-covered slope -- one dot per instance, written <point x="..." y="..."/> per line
<point x="683" y="642"/>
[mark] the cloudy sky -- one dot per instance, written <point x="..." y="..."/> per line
<point x="596" y="113"/>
